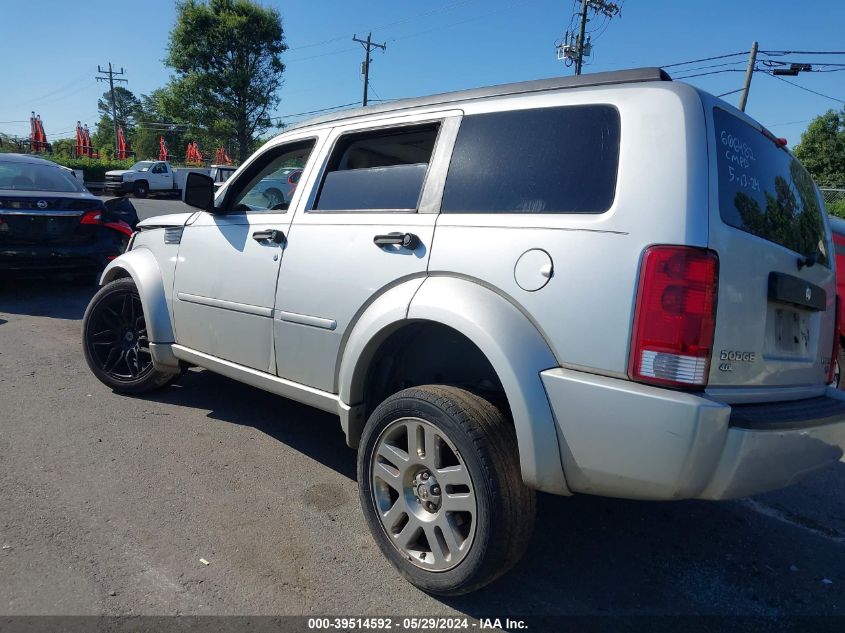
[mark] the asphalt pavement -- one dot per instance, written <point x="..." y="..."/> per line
<point x="108" y="503"/>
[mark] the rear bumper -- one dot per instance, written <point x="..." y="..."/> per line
<point x="623" y="439"/>
<point x="35" y="258"/>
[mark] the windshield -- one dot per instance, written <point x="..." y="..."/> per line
<point x="17" y="176"/>
<point x="144" y="165"/>
<point x="765" y="191"/>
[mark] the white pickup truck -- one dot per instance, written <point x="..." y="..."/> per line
<point x="149" y="176"/>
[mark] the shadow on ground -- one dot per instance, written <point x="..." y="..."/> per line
<point x="58" y="298"/>
<point x="594" y="556"/>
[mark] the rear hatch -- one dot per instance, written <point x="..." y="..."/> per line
<point x="42" y="218"/>
<point x="777" y="288"/>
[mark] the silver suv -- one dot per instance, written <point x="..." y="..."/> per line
<point x="612" y="284"/>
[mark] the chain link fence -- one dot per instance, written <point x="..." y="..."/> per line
<point x="834" y="200"/>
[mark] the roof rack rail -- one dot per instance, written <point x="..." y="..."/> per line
<point x="636" y="75"/>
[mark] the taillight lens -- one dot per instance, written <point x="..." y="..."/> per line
<point x="92" y="217"/>
<point x="675" y="316"/>
<point x="834" y="353"/>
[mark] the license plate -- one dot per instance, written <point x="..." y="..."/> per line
<point x="792" y="331"/>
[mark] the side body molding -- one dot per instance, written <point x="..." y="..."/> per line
<point x="141" y="265"/>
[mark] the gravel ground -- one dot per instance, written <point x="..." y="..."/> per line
<point x="108" y="503"/>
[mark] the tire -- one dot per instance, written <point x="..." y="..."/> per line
<point x="274" y="196"/>
<point x="140" y="189"/>
<point x="115" y="342"/>
<point x="838" y="380"/>
<point x="491" y="519"/>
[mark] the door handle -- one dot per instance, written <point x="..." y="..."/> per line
<point x="405" y="240"/>
<point x="273" y="235"/>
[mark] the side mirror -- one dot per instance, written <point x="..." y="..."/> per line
<point x="199" y="191"/>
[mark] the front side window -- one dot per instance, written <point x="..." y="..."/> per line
<point x="544" y="160"/>
<point x="380" y="170"/>
<point x="268" y="182"/>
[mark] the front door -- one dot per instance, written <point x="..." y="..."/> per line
<point x="225" y="285"/>
<point x="160" y="177"/>
<point x="367" y="225"/>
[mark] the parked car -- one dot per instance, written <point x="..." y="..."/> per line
<point x="837" y="227"/>
<point x="275" y="190"/>
<point x="644" y="308"/>
<point x="221" y="173"/>
<point x="50" y="222"/>
<point x="149" y="176"/>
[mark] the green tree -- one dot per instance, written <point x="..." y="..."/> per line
<point x="227" y="58"/>
<point x="102" y="136"/>
<point x="155" y="119"/>
<point x="125" y="105"/>
<point x="822" y="149"/>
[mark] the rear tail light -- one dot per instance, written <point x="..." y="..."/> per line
<point x="92" y="217"/>
<point x="675" y="316"/>
<point x="834" y="353"/>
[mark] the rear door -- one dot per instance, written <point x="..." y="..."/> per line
<point x="367" y="226"/>
<point x="777" y="287"/>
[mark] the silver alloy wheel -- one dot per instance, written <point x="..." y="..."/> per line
<point x="423" y="494"/>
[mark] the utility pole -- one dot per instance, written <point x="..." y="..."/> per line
<point x="575" y="46"/>
<point x="752" y="60"/>
<point x="110" y="77"/>
<point x="368" y="45"/>
<point x="580" y="41"/>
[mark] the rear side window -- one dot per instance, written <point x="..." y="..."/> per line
<point x="764" y="191"/>
<point x="547" y="160"/>
<point x="381" y="170"/>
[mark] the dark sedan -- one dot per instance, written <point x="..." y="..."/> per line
<point x="49" y="222"/>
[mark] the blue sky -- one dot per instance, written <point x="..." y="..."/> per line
<point x="432" y="47"/>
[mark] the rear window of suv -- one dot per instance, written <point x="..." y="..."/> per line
<point x="764" y="191"/>
<point x="542" y="160"/>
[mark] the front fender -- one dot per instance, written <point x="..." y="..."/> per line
<point x="141" y="265"/>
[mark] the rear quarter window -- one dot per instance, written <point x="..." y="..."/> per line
<point x="543" y="160"/>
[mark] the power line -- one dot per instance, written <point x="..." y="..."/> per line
<point x="705" y="59"/>
<point x="299" y="114"/>
<point x="722" y="65"/>
<point x="338" y="52"/>
<point x="781" y="53"/>
<point x="789" y="123"/>
<point x="401" y="37"/>
<point x="404" y="20"/>
<point x="712" y="72"/>
<point x="803" y="88"/>
<point x="458" y="23"/>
